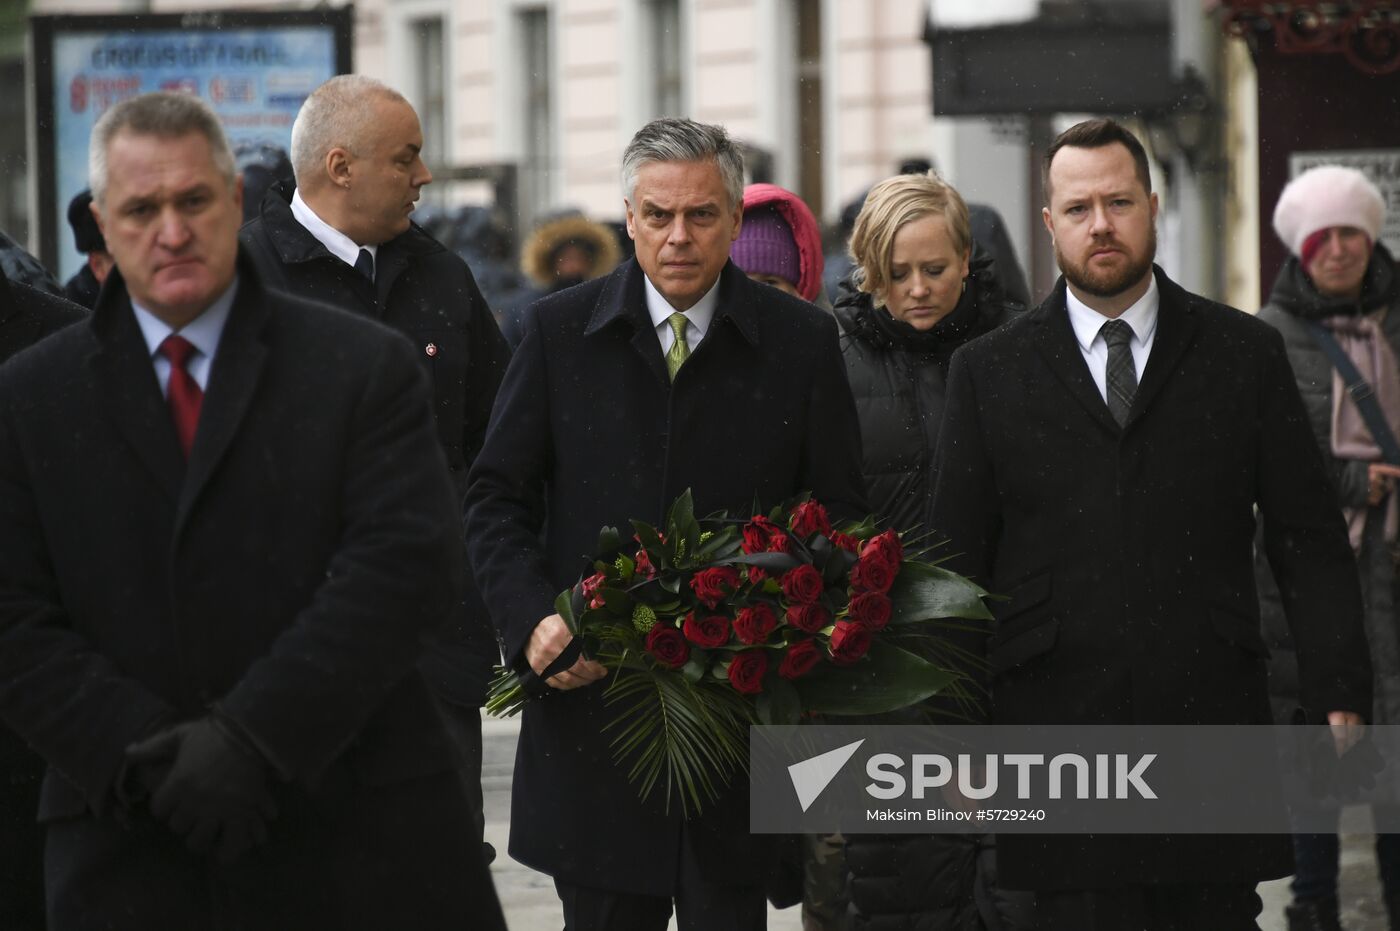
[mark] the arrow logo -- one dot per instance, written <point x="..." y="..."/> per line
<point x="811" y="777"/>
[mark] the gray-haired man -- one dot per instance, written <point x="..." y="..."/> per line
<point x="624" y="392"/>
<point x="227" y="524"/>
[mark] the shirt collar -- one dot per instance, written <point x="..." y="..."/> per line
<point x="699" y="315"/>
<point x="1087" y="322"/>
<point x="203" y="331"/>
<point x="336" y="242"/>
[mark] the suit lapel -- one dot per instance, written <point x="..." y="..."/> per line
<point x="1176" y="329"/>
<point x="129" y="387"/>
<point x="233" y="380"/>
<point x="623" y="301"/>
<point x="1054" y="339"/>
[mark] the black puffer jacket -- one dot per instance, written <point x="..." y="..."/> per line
<point x="898" y="377"/>
<point x="1294" y="302"/>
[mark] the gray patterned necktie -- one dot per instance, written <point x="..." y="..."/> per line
<point x="1122" y="376"/>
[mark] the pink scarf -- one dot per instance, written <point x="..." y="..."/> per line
<point x="1361" y="338"/>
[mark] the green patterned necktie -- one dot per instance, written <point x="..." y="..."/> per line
<point x="680" y="349"/>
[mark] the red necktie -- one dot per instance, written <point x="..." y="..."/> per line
<point x="183" y="393"/>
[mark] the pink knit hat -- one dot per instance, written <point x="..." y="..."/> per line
<point x="804" y="231"/>
<point x="1327" y="196"/>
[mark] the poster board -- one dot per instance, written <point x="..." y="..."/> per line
<point x="253" y="68"/>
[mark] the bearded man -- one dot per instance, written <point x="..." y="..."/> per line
<point x="1100" y="462"/>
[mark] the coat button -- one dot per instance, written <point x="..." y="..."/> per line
<point x="431" y="349"/>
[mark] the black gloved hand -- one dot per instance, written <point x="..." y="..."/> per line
<point x="216" y="791"/>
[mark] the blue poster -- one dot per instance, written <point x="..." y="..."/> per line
<point x="254" y="77"/>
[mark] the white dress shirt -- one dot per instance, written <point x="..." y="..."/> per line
<point x="338" y="244"/>
<point x="697" y="317"/>
<point x="1087" y="323"/>
<point x="203" y="332"/>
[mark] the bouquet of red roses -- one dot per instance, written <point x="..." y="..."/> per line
<point x="714" y="624"/>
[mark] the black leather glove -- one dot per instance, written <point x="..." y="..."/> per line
<point x="215" y="792"/>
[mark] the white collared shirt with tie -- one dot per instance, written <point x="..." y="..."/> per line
<point x="1087" y="322"/>
<point x="698" y="317"/>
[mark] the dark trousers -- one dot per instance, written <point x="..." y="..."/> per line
<point x="1317" y="857"/>
<point x="700" y="905"/>
<point x="1170" y="907"/>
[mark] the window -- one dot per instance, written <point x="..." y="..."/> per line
<point x="664" y="40"/>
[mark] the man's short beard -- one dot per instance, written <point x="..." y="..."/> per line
<point x="1109" y="284"/>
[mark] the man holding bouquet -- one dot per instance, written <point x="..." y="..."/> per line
<point x="674" y="372"/>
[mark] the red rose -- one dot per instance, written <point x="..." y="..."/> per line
<point x="888" y="546"/>
<point x="846" y="542"/>
<point x="872" y="573"/>
<point x="802" y="585"/>
<point x="644" y="567"/>
<point x="667" y="646"/>
<point x="590" y="589"/>
<point x="746" y="671"/>
<point x="810" y="618"/>
<point x="715" y="584"/>
<point x="808" y="518"/>
<point x="754" y="624"/>
<point x="849" y="642"/>
<point x="707" y="632"/>
<point x="799" y="659"/>
<point x="761" y="535"/>
<point x="756" y="575"/>
<point x="871" y="609"/>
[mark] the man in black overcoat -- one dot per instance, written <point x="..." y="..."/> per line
<point x="27" y="315"/>
<point x="356" y="152"/>
<point x="1105" y="479"/>
<point x="228" y="523"/>
<point x="591" y="429"/>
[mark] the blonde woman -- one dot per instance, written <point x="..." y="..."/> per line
<point x="920" y="288"/>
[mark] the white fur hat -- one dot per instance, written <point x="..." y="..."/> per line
<point x="1327" y="196"/>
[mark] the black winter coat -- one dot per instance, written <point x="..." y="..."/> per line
<point x="284" y="571"/>
<point x="898" y="376"/>
<point x="589" y="432"/>
<point x="901" y="882"/>
<point x="27" y="315"/>
<point x="427" y="293"/>
<point x="1293" y="302"/>
<point x="1137" y="606"/>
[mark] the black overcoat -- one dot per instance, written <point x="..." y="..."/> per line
<point x="426" y="292"/>
<point x="27" y="315"/>
<point x="286" y="573"/>
<point x="588" y="432"/>
<point x="1127" y="553"/>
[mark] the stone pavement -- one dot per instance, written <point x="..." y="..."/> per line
<point x="531" y="905"/>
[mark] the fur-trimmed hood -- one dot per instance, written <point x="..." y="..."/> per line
<point x="537" y="257"/>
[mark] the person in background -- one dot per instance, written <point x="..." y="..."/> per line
<point x="341" y="234"/>
<point x="83" y="287"/>
<point x="920" y="288"/>
<point x="1341" y="278"/>
<point x="564" y="250"/>
<point x="780" y="243"/>
<point x="17" y="265"/>
<point x="27" y="315"/>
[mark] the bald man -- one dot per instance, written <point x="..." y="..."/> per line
<point x="342" y="234"/>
